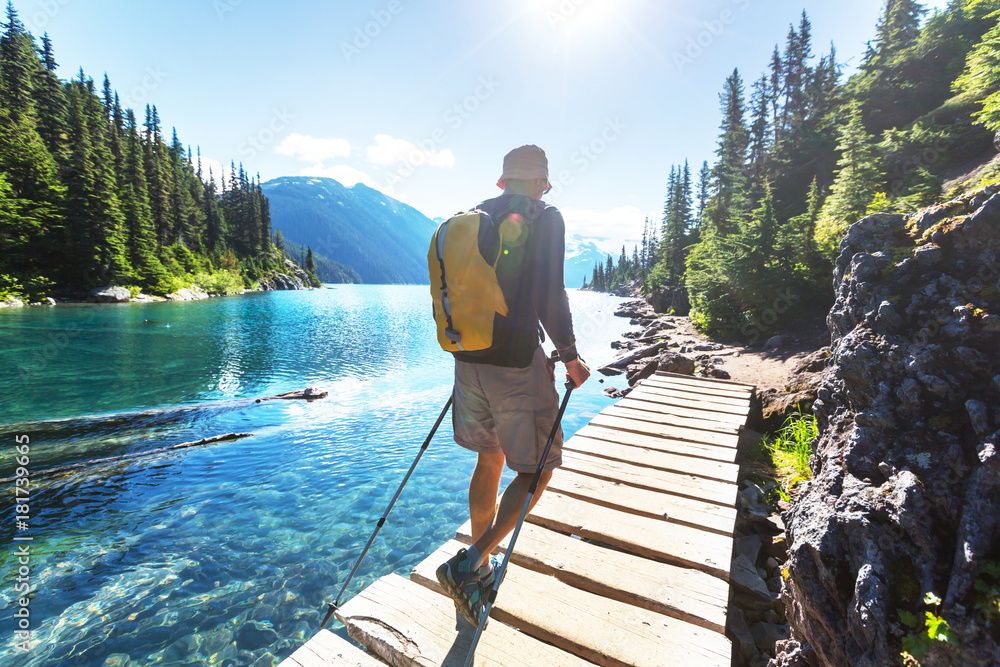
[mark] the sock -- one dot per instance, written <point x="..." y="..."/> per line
<point x="474" y="556"/>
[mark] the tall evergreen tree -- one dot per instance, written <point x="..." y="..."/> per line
<point x="858" y="181"/>
<point x="95" y="225"/>
<point x="50" y="101"/>
<point x="730" y="177"/>
<point x="137" y="212"/>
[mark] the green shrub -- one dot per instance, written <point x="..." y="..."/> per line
<point x="10" y="287"/>
<point x="220" y="282"/>
<point x="133" y="290"/>
<point x="171" y="284"/>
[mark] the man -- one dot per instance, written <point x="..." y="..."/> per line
<point x="506" y="402"/>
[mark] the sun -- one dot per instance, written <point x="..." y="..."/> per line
<point x="579" y="16"/>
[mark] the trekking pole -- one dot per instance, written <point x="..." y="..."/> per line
<point x="332" y="607"/>
<point x="517" y="529"/>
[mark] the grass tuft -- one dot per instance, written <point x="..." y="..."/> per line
<point x="790" y="450"/>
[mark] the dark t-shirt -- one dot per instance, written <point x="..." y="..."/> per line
<point x="530" y="273"/>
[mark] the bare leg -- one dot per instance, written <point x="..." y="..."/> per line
<point x="483" y="491"/>
<point x="510" y="510"/>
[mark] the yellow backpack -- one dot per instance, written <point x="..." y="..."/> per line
<point x="469" y="306"/>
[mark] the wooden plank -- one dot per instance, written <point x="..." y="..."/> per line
<point x="650" y="479"/>
<point x="709" y="415"/>
<point x="599" y="629"/>
<point x="650" y="422"/>
<point x="644" y="502"/>
<point x="651" y="458"/>
<point x="733" y="406"/>
<point x="407" y="624"/>
<point x="616" y="430"/>
<point x="694" y="393"/>
<point x="690" y="595"/>
<point x="697" y="387"/>
<point x="702" y="384"/>
<point x="329" y="650"/>
<point x="652" y="538"/>
<point x="711" y="381"/>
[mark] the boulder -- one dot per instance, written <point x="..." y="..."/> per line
<point x="671" y="362"/>
<point x="193" y="293"/>
<point x="639" y="372"/>
<point x="49" y="301"/>
<point x="905" y="495"/>
<point x="109" y="294"/>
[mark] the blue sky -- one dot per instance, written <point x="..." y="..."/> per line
<point x="422" y="100"/>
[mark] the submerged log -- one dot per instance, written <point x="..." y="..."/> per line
<point x="309" y="393"/>
<point x="112" y="459"/>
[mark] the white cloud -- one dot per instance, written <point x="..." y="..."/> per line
<point x="313" y="149"/>
<point x="610" y="230"/>
<point x="389" y="151"/>
<point x="343" y="173"/>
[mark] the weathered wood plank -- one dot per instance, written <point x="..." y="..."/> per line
<point x="712" y="417"/>
<point x="649" y="422"/>
<point x="407" y="624"/>
<point x="733" y="406"/>
<point x="326" y="649"/>
<point x="599" y="629"/>
<point x="692" y="392"/>
<point x="652" y="538"/>
<point x="709" y="381"/>
<point x="690" y="595"/>
<point x="697" y="387"/>
<point x="629" y="475"/>
<point x="698" y="514"/>
<point x="617" y="430"/>
<point x="651" y="458"/>
<point x="671" y="419"/>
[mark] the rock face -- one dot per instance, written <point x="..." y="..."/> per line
<point x="109" y="294"/>
<point x="194" y="293"/>
<point x="905" y="497"/>
<point x="293" y="278"/>
<point x="280" y="281"/>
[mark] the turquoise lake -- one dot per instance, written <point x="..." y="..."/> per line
<point x="225" y="554"/>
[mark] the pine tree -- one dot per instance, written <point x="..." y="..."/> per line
<point x="730" y="177"/>
<point x="982" y="78"/>
<point x="759" y="131"/>
<point x="138" y="215"/>
<point x="20" y="68"/>
<point x="50" y="101"/>
<point x="858" y="181"/>
<point x="704" y="179"/>
<point x="95" y="225"/>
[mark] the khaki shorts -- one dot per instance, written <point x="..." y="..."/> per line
<point x="509" y="410"/>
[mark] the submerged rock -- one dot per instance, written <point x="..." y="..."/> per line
<point x="905" y="495"/>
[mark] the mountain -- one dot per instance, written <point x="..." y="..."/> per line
<point x="382" y="239"/>
<point x="581" y="256"/>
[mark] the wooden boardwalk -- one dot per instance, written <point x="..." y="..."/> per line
<point x="624" y="561"/>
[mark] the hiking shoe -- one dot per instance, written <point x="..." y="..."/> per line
<point x="488" y="578"/>
<point x="463" y="585"/>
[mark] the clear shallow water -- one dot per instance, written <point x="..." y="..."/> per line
<point x="225" y="554"/>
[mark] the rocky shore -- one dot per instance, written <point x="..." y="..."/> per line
<point x="294" y="279"/>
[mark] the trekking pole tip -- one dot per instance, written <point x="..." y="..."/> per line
<point x="330" y="609"/>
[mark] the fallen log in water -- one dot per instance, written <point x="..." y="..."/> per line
<point x="309" y="393"/>
<point x="111" y="459"/>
